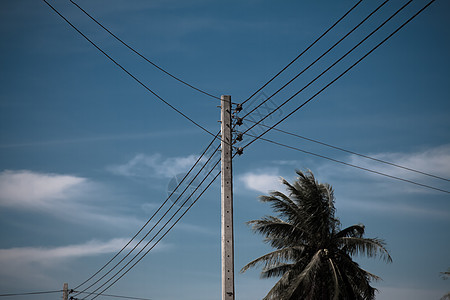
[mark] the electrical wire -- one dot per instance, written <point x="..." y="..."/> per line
<point x="321" y="56"/>
<point x="184" y="203"/>
<point x="355" y="153"/>
<point x="335" y="63"/>
<point x="342" y="74"/>
<point x="127" y="72"/>
<point x="116" y="296"/>
<point x="153" y="227"/>
<point x="304" y="51"/>
<point x="30" y="293"/>
<point x="151" y="240"/>
<point x="355" y="166"/>
<point x="170" y="228"/>
<point x="140" y="55"/>
<point x="150" y="219"/>
<point x="102" y="268"/>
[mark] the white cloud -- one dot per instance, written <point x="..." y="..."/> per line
<point x="32" y="263"/>
<point x="394" y="209"/>
<point x="29" y="189"/>
<point x="154" y="166"/>
<point x="387" y="196"/>
<point x="56" y="194"/>
<point x="47" y="256"/>
<point x="262" y="181"/>
<point x="435" y="161"/>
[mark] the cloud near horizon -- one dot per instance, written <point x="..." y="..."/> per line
<point x="31" y="263"/>
<point x="46" y="255"/>
<point x="54" y="194"/>
<point x="28" y="189"/>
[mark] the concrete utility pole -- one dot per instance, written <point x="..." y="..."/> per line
<point x="65" y="291"/>
<point x="227" y="201"/>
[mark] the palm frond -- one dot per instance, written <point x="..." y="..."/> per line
<point x="357" y="279"/>
<point x="278" y="291"/>
<point x="365" y="246"/>
<point x="276" y="271"/>
<point x="352" y="231"/>
<point x="282" y="204"/>
<point x="307" y="275"/>
<point x="371" y="276"/>
<point x="278" y="232"/>
<point x="336" y="278"/>
<point x="275" y="258"/>
<point x="445" y="275"/>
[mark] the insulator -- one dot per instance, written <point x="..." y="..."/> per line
<point x="239" y="151"/>
<point x="238" y="107"/>
<point x="239" y="137"/>
<point x="239" y="121"/>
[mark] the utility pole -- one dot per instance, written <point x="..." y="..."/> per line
<point x="65" y="291"/>
<point x="227" y="201"/>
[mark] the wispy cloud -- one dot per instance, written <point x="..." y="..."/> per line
<point x="261" y="180"/>
<point x="37" y="190"/>
<point x="394" y="209"/>
<point x="155" y="165"/>
<point x="50" y="256"/>
<point x="57" y="194"/>
<point x="100" y="138"/>
<point x="30" y="263"/>
<point x="434" y="161"/>
<point x="364" y="191"/>
<point x="381" y="195"/>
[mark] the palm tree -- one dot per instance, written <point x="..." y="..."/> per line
<point x="445" y="275"/>
<point x="312" y="254"/>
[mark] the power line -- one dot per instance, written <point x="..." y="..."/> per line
<point x="170" y="228"/>
<point x="142" y="56"/>
<point x="113" y="296"/>
<point x="30" y="293"/>
<point x="321" y="56"/>
<point x="342" y="74"/>
<point x="304" y="51"/>
<point x="355" y="153"/>
<point x="149" y="220"/>
<point x="151" y="229"/>
<point x="355" y="166"/>
<point x="151" y="240"/>
<point x="335" y="63"/>
<point x="127" y="72"/>
<point x="198" y="160"/>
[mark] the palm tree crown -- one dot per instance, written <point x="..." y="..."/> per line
<point x="312" y="254"/>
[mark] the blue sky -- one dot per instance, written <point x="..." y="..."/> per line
<point x="87" y="154"/>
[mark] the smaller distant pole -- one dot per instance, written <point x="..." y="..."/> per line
<point x="65" y="291"/>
